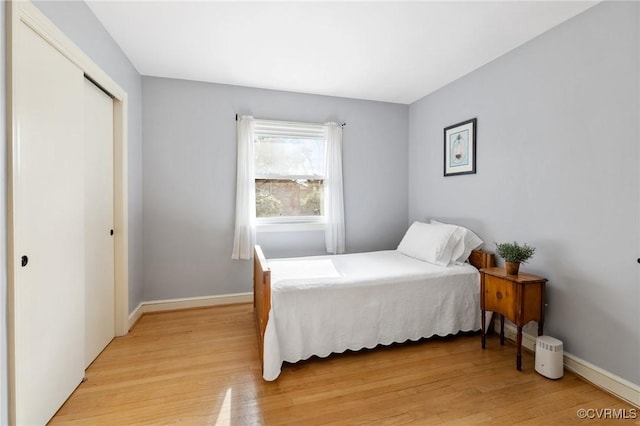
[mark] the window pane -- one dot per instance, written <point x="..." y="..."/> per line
<point x="289" y="197"/>
<point x="289" y="157"/>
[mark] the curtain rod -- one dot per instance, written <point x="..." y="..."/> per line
<point x="320" y="124"/>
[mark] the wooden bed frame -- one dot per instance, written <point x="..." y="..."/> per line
<point x="262" y="287"/>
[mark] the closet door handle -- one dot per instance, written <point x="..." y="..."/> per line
<point x="24" y="261"/>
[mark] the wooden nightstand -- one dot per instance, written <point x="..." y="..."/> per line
<point x="518" y="297"/>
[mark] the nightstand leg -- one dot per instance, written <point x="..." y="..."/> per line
<point x="502" y="329"/>
<point x="483" y="330"/>
<point x="519" y="353"/>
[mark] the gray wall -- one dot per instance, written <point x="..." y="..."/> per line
<point x="558" y="163"/>
<point x="189" y="174"/>
<point x="79" y="23"/>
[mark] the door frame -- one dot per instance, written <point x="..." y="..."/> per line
<point x="24" y="12"/>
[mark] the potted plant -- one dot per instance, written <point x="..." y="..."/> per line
<point x="514" y="254"/>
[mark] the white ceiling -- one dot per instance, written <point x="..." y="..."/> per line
<point x="385" y="51"/>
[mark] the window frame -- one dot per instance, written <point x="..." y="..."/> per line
<point x="289" y="130"/>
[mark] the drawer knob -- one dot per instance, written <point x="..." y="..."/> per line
<point x="499" y="295"/>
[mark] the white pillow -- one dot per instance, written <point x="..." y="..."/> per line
<point x="469" y="242"/>
<point x="431" y="243"/>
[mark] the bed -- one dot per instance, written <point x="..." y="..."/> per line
<point x="320" y="305"/>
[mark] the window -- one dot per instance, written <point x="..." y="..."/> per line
<point x="288" y="175"/>
<point x="290" y="172"/>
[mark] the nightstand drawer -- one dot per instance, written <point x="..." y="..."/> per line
<point x="499" y="296"/>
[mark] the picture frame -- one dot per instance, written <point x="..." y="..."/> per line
<point x="460" y="148"/>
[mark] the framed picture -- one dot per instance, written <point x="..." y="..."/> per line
<point x="460" y="148"/>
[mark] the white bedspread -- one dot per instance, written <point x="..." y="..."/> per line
<point x="328" y="304"/>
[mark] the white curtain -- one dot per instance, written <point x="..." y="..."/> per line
<point x="245" y="231"/>
<point x="333" y="198"/>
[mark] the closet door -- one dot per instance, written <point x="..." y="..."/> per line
<point x="47" y="330"/>
<point x="99" y="254"/>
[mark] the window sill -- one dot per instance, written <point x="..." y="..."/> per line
<point x="290" y="227"/>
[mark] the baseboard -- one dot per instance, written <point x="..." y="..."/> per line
<point x="616" y="385"/>
<point x="609" y="382"/>
<point x="510" y="332"/>
<point x="187" y="303"/>
<point x="135" y="316"/>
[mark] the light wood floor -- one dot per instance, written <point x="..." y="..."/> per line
<point x="201" y="367"/>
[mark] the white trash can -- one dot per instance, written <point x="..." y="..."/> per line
<point x="549" y="357"/>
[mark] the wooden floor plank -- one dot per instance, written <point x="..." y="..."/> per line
<point x="201" y="367"/>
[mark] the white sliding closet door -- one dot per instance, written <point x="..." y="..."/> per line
<point x="99" y="254"/>
<point x="47" y="355"/>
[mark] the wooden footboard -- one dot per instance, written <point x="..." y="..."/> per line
<point x="261" y="295"/>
